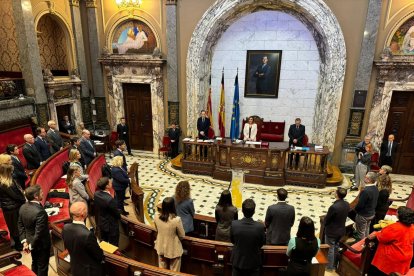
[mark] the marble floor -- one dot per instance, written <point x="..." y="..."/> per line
<point x="158" y="180"/>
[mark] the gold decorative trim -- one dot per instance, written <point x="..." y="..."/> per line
<point x="91" y="4"/>
<point x="74" y="3"/>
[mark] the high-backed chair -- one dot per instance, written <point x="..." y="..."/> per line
<point x="166" y="146"/>
<point x="211" y="134"/>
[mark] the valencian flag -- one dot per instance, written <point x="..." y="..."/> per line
<point x="222" y="115"/>
<point x="209" y="111"/>
<point x="235" y="117"/>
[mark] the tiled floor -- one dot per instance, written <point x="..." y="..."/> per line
<point x="158" y="180"/>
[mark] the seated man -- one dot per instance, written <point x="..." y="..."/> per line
<point x="67" y="125"/>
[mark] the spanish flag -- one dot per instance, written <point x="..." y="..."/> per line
<point x="222" y="114"/>
<point x="209" y="111"/>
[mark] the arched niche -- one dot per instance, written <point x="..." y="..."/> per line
<point x="55" y="43"/>
<point x="325" y="29"/>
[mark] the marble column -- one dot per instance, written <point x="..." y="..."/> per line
<point x="29" y="55"/>
<point x="363" y="74"/>
<point x="172" y="70"/>
<point x="96" y="69"/>
<point x="80" y="50"/>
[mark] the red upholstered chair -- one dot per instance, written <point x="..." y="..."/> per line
<point x="211" y="133"/>
<point x="166" y="146"/>
<point x="112" y="139"/>
<point x="305" y="140"/>
<point x="374" y="162"/>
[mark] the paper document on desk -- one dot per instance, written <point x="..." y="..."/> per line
<point x="315" y="261"/>
<point x="186" y="139"/>
<point x="219" y="138"/>
<point x="318" y="147"/>
<point x="97" y="141"/>
<point x="52" y="211"/>
<point x="107" y="247"/>
<point x="298" y="148"/>
<point x="67" y="258"/>
<point x="253" y="143"/>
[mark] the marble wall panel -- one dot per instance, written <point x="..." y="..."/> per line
<point x="314" y="17"/>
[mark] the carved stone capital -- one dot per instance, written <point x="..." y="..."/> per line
<point x="74" y="3"/>
<point x="171" y="2"/>
<point x="91" y="4"/>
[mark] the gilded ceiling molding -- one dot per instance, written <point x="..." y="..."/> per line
<point x="91" y="4"/>
<point x="74" y="3"/>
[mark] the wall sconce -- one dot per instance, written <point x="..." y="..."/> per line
<point x="122" y="4"/>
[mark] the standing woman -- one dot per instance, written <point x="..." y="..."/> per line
<point x="184" y="205"/>
<point x="250" y="130"/>
<point x="225" y="214"/>
<point x="120" y="182"/>
<point x="74" y="159"/>
<point x="362" y="167"/>
<point x="170" y="232"/>
<point x="302" y="249"/>
<point x="77" y="191"/>
<point x="11" y="198"/>
<point x="384" y="179"/>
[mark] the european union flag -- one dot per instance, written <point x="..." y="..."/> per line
<point x="235" y="117"/>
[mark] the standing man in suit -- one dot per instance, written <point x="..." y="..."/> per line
<point x="248" y="237"/>
<point x="335" y="225"/>
<point x="262" y="74"/>
<point x="56" y="142"/>
<point x="30" y="153"/>
<point x="87" y="147"/>
<point x="85" y="254"/>
<point x="296" y="134"/>
<point x="123" y="134"/>
<point x="388" y="151"/>
<point x="41" y="144"/>
<point x="203" y="124"/>
<point x="120" y="148"/>
<point x="75" y="144"/>
<point x="174" y="134"/>
<point x="34" y="230"/>
<point x="19" y="174"/>
<point x="67" y="125"/>
<point x="109" y="215"/>
<point x="279" y="220"/>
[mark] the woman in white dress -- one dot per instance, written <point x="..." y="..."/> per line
<point x="250" y="130"/>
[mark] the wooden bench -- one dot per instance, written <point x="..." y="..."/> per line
<point x="115" y="264"/>
<point x="49" y="177"/>
<point x="17" y="269"/>
<point x="202" y="256"/>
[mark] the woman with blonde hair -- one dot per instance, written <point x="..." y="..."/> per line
<point x="74" y="159"/>
<point x="184" y="205"/>
<point x="11" y="198"/>
<point x="170" y="232"/>
<point x="77" y="191"/>
<point x="120" y="182"/>
<point x="384" y="180"/>
<point x="5" y="159"/>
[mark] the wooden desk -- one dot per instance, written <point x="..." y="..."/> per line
<point x="271" y="165"/>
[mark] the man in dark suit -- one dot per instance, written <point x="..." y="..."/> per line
<point x="248" y="237"/>
<point x="279" y="220"/>
<point x="262" y="74"/>
<point x="67" y="125"/>
<point x="123" y="134"/>
<point x="30" y="153"/>
<point x="296" y="134"/>
<point x="56" y="142"/>
<point x="87" y="147"/>
<point x="85" y="254"/>
<point x="34" y="230"/>
<point x="19" y="174"/>
<point x="174" y="134"/>
<point x="388" y="151"/>
<point x="335" y="225"/>
<point x="203" y="124"/>
<point x="120" y="147"/>
<point x="41" y="144"/>
<point x="75" y="144"/>
<point x="107" y="212"/>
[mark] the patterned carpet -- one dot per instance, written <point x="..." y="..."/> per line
<point x="158" y="180"/>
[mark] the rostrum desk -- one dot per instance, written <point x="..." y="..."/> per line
<point x="272" y="165"/>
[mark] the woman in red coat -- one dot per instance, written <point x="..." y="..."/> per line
<point x="395" y="245"/>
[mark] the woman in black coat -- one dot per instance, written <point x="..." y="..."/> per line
<point x="120" y="181"/>
<point x="11" y="198"/>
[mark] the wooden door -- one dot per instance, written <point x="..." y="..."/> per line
<point x="400" y="122"/>
<point x="138" y="115"/>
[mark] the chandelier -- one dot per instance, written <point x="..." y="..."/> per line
<point x="128" y="3"/>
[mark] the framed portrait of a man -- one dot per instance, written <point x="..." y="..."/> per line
<point x="262" y="73"/>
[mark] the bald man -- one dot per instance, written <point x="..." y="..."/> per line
<point x="85" y="254"/>
<point x="87" y="147"/>
<point x="30" y="153"/>
<point x="54" y="138"/>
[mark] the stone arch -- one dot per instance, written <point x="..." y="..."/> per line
<point x="68" y="35"/>
<point x="319" y="19"/>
